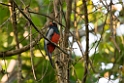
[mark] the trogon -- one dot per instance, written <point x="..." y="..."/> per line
<point x="53" y="35"/>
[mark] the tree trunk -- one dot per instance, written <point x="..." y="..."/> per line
<point x="87" y="42"/>
<point x="62" y="66"/>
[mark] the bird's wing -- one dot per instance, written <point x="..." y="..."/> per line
<point x="49" y="35"/>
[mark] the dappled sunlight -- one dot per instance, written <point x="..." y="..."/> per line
<point x="87" y="46"/>
<point x="11" y="66"/>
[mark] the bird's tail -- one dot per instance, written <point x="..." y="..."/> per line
<point x="50" y="58"/>
<point x="49" y="55"/>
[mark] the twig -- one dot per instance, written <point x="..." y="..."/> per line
<point x="38" y="29"/>
<point x="60" y="2"/>
<point x="46" y="16"/>
<point x="14" y="23"/>
<point x="23" y="49"/>
<point x="5" y="22"/>
<point x="87" y="41"/>
<point x="31" y="51"/>
<point x="4" y="4"/>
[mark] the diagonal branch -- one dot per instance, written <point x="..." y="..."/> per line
<point x="38" y="29"/>
<point x="23" y="49"/>
<point x="27" y="47"/>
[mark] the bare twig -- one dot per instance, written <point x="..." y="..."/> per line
<point x="38" y="29"/>
<point x="25" y="48"/>
<point x="112" y="27"/>
<point x="56" y="7"/>
<point x="14" y="22"/>
<point x="4" y="4"/>
<point x="47" y="17"/>
<point x="87" y="41"/>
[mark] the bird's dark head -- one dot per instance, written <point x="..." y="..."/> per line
<point x="52" y="24"/>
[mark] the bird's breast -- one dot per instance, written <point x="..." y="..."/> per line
<point x="55" y="38"/>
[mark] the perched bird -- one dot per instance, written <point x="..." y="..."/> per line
<point x="53" y="35"/>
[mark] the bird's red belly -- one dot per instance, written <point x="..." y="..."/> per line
<point x="51" y="47"/>
<point x="55" y="39"/>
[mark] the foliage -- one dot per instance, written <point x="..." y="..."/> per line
<point x="108" y="49"/>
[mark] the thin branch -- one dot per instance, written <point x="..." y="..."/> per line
<point x="4" y="4"/>
<point x="31" y="54"/>
<point x="14" y="23"/>
<point x="27" y="47"/>
<point x="5" y="22"/>
<point x="60" y="2"/>
<point x="23" y="49"/>
<point x="112" y="27"/>
<point x="38" y="29"/>
<point x="105" y="5"/>
<point x="47" y="17"/>
<point x="87" y="41"/>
